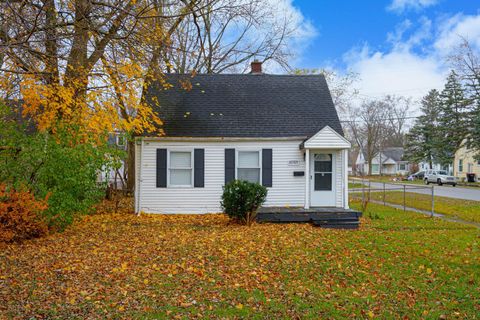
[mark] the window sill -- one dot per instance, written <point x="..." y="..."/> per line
<point x="180" y="187"/>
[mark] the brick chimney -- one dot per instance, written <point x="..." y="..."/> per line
<point x="256" y="67"/>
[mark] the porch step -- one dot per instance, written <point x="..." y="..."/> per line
<point x="283" y="217"/>
<point x="337" y="218"/>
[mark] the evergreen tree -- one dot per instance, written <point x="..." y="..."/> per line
<point x="475" y="133"/>
<point x="473" y="91"/>
<point x="454" y="122"/>
<point x="421" y="140"/>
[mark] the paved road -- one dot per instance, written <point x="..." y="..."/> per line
<point x="443" y="191"/>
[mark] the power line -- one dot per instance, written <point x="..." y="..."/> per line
<point x="384" y="119"/>
<point x="397" y="91"/>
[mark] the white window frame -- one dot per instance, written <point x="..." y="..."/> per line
<point x="460" y="165"/>
<point x="400" y="167"/>
<point x="169" y="185"/>
<point x="237" y="151"/>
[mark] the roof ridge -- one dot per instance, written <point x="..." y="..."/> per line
<point x="245" y="74"/>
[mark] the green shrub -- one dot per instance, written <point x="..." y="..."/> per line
<point x="241" y="200"/>
<point x="59" y="165"/>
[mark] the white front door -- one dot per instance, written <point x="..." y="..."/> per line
<point x="322" y="179"/>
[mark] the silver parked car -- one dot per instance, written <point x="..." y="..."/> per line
<point x="440" y="177"/>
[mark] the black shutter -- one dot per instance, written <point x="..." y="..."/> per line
<point x="161" y="168"/>
<point x="229" y="165"/>
<point x="267" y="167"/>
<point x="199" y="168"/>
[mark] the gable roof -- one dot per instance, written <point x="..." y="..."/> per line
<point x="327" y="138"/>
<point x="394" y="153"/>
<point x="244" y="105"/>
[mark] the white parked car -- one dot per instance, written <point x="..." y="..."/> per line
<point x="440" y="177"/>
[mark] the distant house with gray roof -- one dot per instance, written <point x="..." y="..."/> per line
<point x="390" y="161"/>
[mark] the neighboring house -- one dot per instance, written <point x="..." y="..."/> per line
<point x="465" y="163"/>
<point x="388" y="162"/>
<point x="281" y="131"/>
<point x="352" y="156"/>
<point x="115" y="177"/>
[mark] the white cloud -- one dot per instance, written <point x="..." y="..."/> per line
<point x="402" y="5"/>
<point x="454" y="29"/>
<point x="400" y="72"/>
<point x="417" y="58"/>
<point x="415" y="39"/>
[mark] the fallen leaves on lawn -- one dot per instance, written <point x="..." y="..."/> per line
<point x="115" y="265"/>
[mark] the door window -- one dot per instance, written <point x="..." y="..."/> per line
<point x="322" y="172"/>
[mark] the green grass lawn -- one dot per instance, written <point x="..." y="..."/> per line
<point x="388" y="179"/>
<point x="398" y="265"/>
<point x="463" y="209"/>
<point x="354" y="185"/>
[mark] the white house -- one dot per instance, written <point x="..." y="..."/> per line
<point x="388" y="162"/>
<point x="115" y="177"/>
<point x="466" y="164"/>
<point x="278" y="130"/>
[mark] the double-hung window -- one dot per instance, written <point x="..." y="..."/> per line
<point x="460" y="165"/>
<point x="180" y="169"/>
<point x="248" y="166"/>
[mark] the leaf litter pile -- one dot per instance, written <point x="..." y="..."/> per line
<point x="118" y="265"/>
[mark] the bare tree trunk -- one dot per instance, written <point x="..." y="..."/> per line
<point x="152" y="74"/>
<point x="51" y="48"/>
<point x="130" y="166"/>
<point x="75" y="75"/>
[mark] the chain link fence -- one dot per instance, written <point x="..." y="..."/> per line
<point x="388" y="193"/>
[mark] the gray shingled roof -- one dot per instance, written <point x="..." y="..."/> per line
<point x="396" y="153"/>
<point x="245" y="105"/>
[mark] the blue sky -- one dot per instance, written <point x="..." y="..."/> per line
<point x="396" y="46"/>
<point x="342" y="25"/>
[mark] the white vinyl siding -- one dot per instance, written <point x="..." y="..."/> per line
<point x="286" y="190"/>
<point x="339" y="178"/>
<point x="327" y="138"/>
